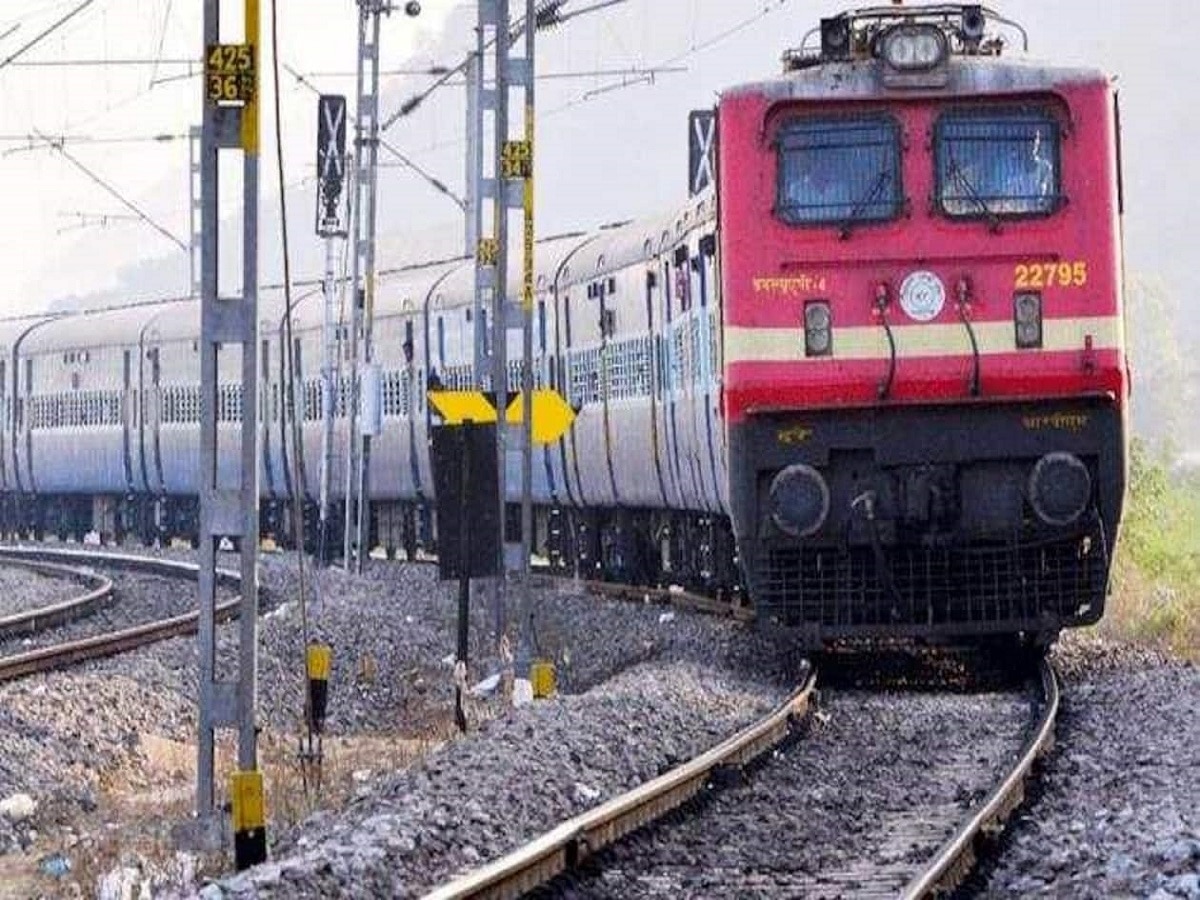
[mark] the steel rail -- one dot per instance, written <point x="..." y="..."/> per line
<point x="956" y="858"/>
<point x="46" y="658"/>
<point x="570" y="843"/>
<point x="34" y="620"/>
<point x="683" y="599"/>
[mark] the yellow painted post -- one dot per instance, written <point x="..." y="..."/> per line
<point x="250" y="110"/>
<point x="544" y="679"/>
<point x="249" y="819"/>
<point x="319" y="662"/>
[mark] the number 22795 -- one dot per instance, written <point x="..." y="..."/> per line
<point x="1051" y="274"/>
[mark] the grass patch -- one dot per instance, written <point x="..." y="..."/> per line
<point x="1156" y="579"/>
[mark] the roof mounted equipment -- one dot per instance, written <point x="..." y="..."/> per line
<point x="965" y="29"/>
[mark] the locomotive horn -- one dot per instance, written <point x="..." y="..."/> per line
<point x="973" y="23"/>
<point x="835" y="38"/>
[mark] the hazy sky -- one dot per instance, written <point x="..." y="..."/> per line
<point x="604" y="154"/>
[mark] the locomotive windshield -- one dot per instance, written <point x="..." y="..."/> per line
<point x="838" y="171"/>
<point x="998" y="164"/>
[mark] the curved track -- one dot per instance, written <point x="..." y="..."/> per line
<point x="95" y="647"/>
<point x="50" y="615"/>
<point x="566" y="847"/>
<point x="955" y="860"/>
<point x="672" y="596"/>
<point x="579" y="838"/>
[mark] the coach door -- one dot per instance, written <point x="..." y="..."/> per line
<point x="5" y="418"/>
<point x="264" y="415"/>
<point x="656" y="386"/>
<point x="128" y="418"/>
<point x="668" y="381"/>
<point x="152" y="424"/>
<point x="24" y="442"/>
<point x="704" y="279"/>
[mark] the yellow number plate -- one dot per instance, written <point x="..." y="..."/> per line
<point x="516" y="159"/>
<point x="1037" y="275"/>
<point x="230" y="74"/>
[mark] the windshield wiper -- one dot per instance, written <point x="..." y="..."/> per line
<point x="863" y="203"/>
<point x="957" y="173"/>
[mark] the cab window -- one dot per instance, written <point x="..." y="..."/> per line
<point x="998" y="163"/>
<point x="838" y="171"/>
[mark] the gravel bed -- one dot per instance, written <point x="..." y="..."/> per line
<point x="475" y="799"/>
<point x="851" y="807"/>
<point x="136" y="600"/>
<point x="392" y="630"/>
<point x="1117" y="813"/>
<point x="23" y="590"/>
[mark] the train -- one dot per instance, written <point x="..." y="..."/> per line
<point x="871" y="377"/>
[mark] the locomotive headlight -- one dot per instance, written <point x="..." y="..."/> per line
<point x="1060" y="488"/>
<point x="818" y="328"/>
<point x="799" y="500"/>
<point x="911" y="48"/>
<point x="1027" y="313"/>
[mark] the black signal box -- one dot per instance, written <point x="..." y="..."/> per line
<point x="468" y="514"/>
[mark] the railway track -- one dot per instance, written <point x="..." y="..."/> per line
<point x="31" y="621"/>
<point x="956" y="858"/>
<point x="581" y="837"/>
<point x="904" y="866"/>
<point x="122" y="640"/>
<point x="670" y="596"/>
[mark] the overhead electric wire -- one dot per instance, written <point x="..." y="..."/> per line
<point x="32" y="142"/>
<point x="434" y="182"/>
<point x="86" y="220"/>
<point x="547" y="15"/>
<point x="540" y="76"/>
<point x="128" y="204"/>
<point x="44" y="33"/>
<point x="298" y="493"/>
<point x="162" y="40"/>
<point x="101" y="61"/>
<point x="768" y="8"/>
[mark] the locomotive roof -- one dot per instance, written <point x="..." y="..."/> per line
<point x="968" y="75"/>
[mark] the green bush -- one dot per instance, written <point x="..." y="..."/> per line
<point x="1157" y="595"/>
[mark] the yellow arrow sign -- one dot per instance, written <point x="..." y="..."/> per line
<point x="457" y="407"/>
<point x="551" y="415"/>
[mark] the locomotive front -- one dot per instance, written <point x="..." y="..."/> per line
<point x="924" y="367"/>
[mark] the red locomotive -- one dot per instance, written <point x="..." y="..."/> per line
<point x="925" y="382"/>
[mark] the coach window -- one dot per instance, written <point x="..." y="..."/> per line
<point x="998" y="163"/>
<point x="838" y="171"/>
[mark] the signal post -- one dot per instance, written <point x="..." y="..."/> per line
<point x="230" y="129"/>
<point x="509" y="187"/>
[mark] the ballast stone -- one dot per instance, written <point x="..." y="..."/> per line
<point x="18" y="807"/>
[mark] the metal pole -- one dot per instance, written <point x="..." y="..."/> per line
<point x="500" y="304"/>
<point x="351" y="519"/>
<point x="328" y="354"/>
<point x="369" y="109"/>
<point x="228" y="322"/>
<point x="474" y="172"/>
<point x="195" y="136"/>
<point x="366" y="140"/>
<point x="527" y="307"/>
<point x="331" y="167"/>
<point x="465" y="437"/>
